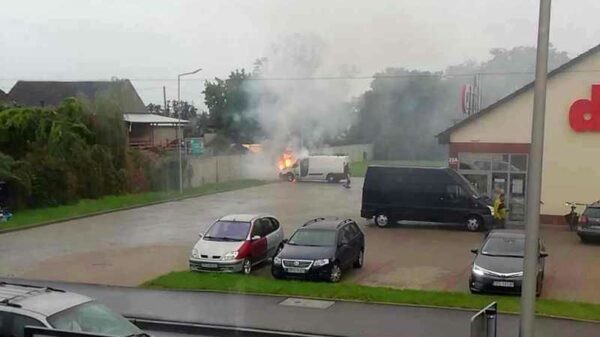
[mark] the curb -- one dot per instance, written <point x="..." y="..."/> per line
<point x="112" y="210"/>
<point x="426" y="306"/>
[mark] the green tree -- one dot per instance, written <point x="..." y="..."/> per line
<point x="228" y="105"/>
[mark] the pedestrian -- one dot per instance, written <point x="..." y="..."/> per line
<point x="347" y="174"/>
<point x="500" y="210"/>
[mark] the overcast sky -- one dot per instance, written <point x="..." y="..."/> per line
<point x="148" y="39"/>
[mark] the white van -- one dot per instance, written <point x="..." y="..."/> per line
<point x="328" y="168"/>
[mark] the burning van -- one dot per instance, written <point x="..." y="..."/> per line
<point x="328" y="168"/>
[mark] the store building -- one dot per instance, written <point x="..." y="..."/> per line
<point x="491" y="147"/>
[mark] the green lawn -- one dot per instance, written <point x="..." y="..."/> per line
<point x="348" y="291"/>
<point x="358" y="169"/>
<point x="29" y="217"/>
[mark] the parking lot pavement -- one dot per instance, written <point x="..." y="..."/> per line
<point x="130" y="247"/>
<point x="340" y="319"/>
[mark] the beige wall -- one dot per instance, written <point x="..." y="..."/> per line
<point x="204" y="170"/>
<point x="164" y="133"/>
<point x="571" y="170"/>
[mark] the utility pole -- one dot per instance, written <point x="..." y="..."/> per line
<point x="534" y="176"/>
<point x="179" y="124"/>
<point x="164" y="99"/>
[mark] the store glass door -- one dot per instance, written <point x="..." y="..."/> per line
<point x="517" y="197"/>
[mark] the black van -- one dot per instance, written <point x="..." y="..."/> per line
<point x="391" y="194"/>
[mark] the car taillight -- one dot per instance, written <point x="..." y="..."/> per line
<point x="244" y="250"/>
<point x="583" y="220"/>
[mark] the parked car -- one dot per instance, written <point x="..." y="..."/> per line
<point x="443" y="195"/>
<point x="314" y="168"/>
<point x="498" y="264"/>
<point x="27" y="305"/>
<point x="589" y="223"/>
<point x="321" y="249"/>
<point x="236" y="243"/>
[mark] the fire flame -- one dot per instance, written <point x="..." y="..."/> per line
<point x="286" y="160"/>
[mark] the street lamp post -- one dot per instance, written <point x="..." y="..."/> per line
<point x="534" y="176"/>
<point x="179" y="124"/>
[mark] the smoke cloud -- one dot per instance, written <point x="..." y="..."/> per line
<point x="291" y="106"/>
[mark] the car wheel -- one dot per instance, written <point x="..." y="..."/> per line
<point x="247" y="267"/>
<point x="382" y="220"/>
<point x="360" y="260"/>
<point x="474" y="223"/>
<point x="336" y="273"/>
<point x="330" y="178"/>
<point x="290" y="177"/>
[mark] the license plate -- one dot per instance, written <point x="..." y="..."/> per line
<point x="503" y="284"/>
<point x="296" y="270"/>
<point x="208" y="265"/>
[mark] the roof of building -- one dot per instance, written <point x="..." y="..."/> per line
<point x="444" y="136"/>
<point x="146" y="118"/>
<point x="51" y="93"/>
<point x="42" y="300"/>
<point x="4" y="98"/>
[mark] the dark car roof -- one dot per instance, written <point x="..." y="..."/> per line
<point x="507" y="233"/>
<point x="326" y="223"/>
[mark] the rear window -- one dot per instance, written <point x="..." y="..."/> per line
<point x="592" y="212"/>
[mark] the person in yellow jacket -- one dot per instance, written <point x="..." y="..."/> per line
<point x="500" y="210"/>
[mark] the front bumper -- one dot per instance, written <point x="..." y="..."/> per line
<point x="312" y="273"/>
<point x="588" y="232"/>
<point x="491" y="284"/>
<point x="232" y="266"/>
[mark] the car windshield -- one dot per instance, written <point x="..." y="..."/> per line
<point x="592" y="212"/>
<point x="503" y="246"/>
<point x="313" y="237"/>
<point x="95" y="318"/>
<point x="228" y="231"/>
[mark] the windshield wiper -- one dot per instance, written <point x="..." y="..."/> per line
<point x="502" y="255"/>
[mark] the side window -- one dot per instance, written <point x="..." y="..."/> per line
<point x="354" y="228"/>
<point x="455" y="192"/>
<point x="19" y="322"/>
<point x="257" y="229"/>
<point x="267" y="226"/>
<point x="345" y="235"/>
<point x="274" y="223"/>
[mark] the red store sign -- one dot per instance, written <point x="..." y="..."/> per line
<point x="584" y="114"/>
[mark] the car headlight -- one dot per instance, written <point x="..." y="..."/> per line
<point x="230" y="255"/>
<point x="477" y="270"/>
<point x="277" y="260"/>
<point x="194" y="252"/>
<point x="321" y="262"/>
<point x="491" y="210"/>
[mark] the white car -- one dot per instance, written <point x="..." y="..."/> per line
<point x="27" y="305"/>
<point x="236" y="243"/>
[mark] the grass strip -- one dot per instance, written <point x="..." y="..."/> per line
<point x="30" y="217"/>
<point x="349" y="291"/>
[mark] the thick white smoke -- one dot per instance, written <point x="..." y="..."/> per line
<point x="291" y="106"/>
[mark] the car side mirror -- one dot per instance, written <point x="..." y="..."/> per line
<point x="255" y="237"/>
<point x="543" y="254"/>
<point x="284" y="241"/>
<point x="200" y="235"/>
<point x="474" y="250"/>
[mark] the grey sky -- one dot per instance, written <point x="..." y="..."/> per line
<point x="149" y="39"/>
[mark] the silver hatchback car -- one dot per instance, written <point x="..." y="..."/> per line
<point x="27" y="305"/>
<point x="236" y="243"/>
